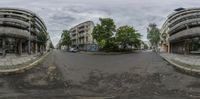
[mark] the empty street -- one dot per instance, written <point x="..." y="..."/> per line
<point x="136" y="74"/>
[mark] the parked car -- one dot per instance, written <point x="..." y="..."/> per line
<point x="73" y="50"/>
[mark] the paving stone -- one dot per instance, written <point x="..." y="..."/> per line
<point x="8" y="63"/>
<point x="186" y="59"/>
<point x="1" y="63"/>
<point x="12" y="61"/>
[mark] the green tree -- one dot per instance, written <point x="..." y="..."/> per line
<point x="103" y="32"/>
<point x="153" y="35"/>
<point x="128" y="36"/>
<point x="111" y="45"/>
<point x="65" y="38"/>
<point x="58" y="45"/>
<point x="144" y="45"/>
<point x="42" y="39"/>
<point x="51" y="45"/>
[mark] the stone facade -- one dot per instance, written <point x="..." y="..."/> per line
<point x="18" y="31"/>
<point x="81" y="36"/>
<point x="181" y="32"/>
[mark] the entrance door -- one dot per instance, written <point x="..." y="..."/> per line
<point x="11" y="45"/>
<point x="195" y="46"/>
<point x="1" y="44"/>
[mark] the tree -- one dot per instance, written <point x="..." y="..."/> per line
<point x="51" y="45"/>
<point x="58" y="45"/>
<point x="153" y="35"/>
<point x="103" y="32"/>
<point x="145" y="46"/>
<point x="111" y="45"/>
<point x="65" y="38"/>
<point x="128" y="36"/>
<point x="42" y="39"/>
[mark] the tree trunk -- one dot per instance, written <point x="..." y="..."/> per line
<point x="41" y="49"/>
<point x="4" y="47"/>
<point x="67" y="47"/>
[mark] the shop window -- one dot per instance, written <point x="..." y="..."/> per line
<point x="195" y="46"/>
<point x="10" y="45"/>
<point x="1" y="43"/>
<point x="5" y="16"/>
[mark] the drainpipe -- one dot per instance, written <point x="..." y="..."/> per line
<point x="4" y="47"/>
<point x="20" y="47"/>
<point x="29" y="42"/>
<point x="187" y="50"/>
<point x="169" y="48"/>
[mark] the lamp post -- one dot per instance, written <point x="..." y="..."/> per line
<point x="87" y="41"/>
<point x="29" y="42"/>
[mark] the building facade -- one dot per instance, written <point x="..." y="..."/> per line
<point x="81" y="36"/>
<point x="181" y="32"/>
<point x="18" y="31"/>
<point x="48" y="43"/>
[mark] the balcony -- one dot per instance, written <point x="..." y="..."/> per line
<point x="81" y="27"/>
<point x="33" y="37"/>
<point x="81" y="35"/>
<point x="73" y="38"/>
<point x="193" y="32"/>
<point x="183" y="24"/>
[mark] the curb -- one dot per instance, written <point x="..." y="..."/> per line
<point x="182" y="68"/>
<point x="109" y="53"/>
<point x="23" y="68"/>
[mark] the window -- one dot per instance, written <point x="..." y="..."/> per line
<point x="1" y="43"/>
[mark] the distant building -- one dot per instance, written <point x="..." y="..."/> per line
<point x="181" y="32"/>
<point x="48" y="43"/>
<point x="81" y="36"/>
<point x="145" y="45"/>
<point x="18" y="31"/>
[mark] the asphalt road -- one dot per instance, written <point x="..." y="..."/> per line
<point x="127" y="76"/>
<point x="64" y="75"/>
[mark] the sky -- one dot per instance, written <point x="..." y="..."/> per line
<point x="59" y="15"/>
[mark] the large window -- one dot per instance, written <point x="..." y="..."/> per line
<point x="1" y="44"/>
<point x="195" y="46"/>
<point x="10" y="45"/>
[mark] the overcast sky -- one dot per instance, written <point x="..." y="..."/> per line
<point x="63" y="14"/>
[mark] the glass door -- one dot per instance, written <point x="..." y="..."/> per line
<point x="1" y="44"/>
<point x="195" y="46"/>
<point x="11" y="45"/>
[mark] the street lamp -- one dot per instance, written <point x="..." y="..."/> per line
<point x="29" y="42"/>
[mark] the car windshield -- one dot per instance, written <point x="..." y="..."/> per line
<point x="99" y="49"/>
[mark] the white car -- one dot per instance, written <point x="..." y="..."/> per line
<point x="73" y="50"/>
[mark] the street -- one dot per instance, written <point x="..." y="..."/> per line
<point x="140" y="75"/>
<point x="129" y="75"/>
<point x="99" y="49"/>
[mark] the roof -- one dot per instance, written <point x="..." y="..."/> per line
<point x="24" y="10"/>
<point x="81" y="24"/>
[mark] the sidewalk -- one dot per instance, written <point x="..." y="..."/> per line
<point x="107" y="53"/>
<point x="12" y="62"/>
<point x="188" y="63"/>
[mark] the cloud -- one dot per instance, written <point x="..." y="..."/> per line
<point x="63" y="14"/>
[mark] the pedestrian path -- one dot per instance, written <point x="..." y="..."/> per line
<point x="13" y="61"/>
<point x="186" y="62"/>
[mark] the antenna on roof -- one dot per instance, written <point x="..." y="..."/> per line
<point x="179" y="9"/>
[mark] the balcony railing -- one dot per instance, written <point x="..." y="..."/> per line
<point x="184" y="18"/>
<point x="183" y="23"/>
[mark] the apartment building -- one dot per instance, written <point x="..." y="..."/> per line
<point x="18" y="31"/>
<point x="181" y="31"/>
<point x="81" y="36"/>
